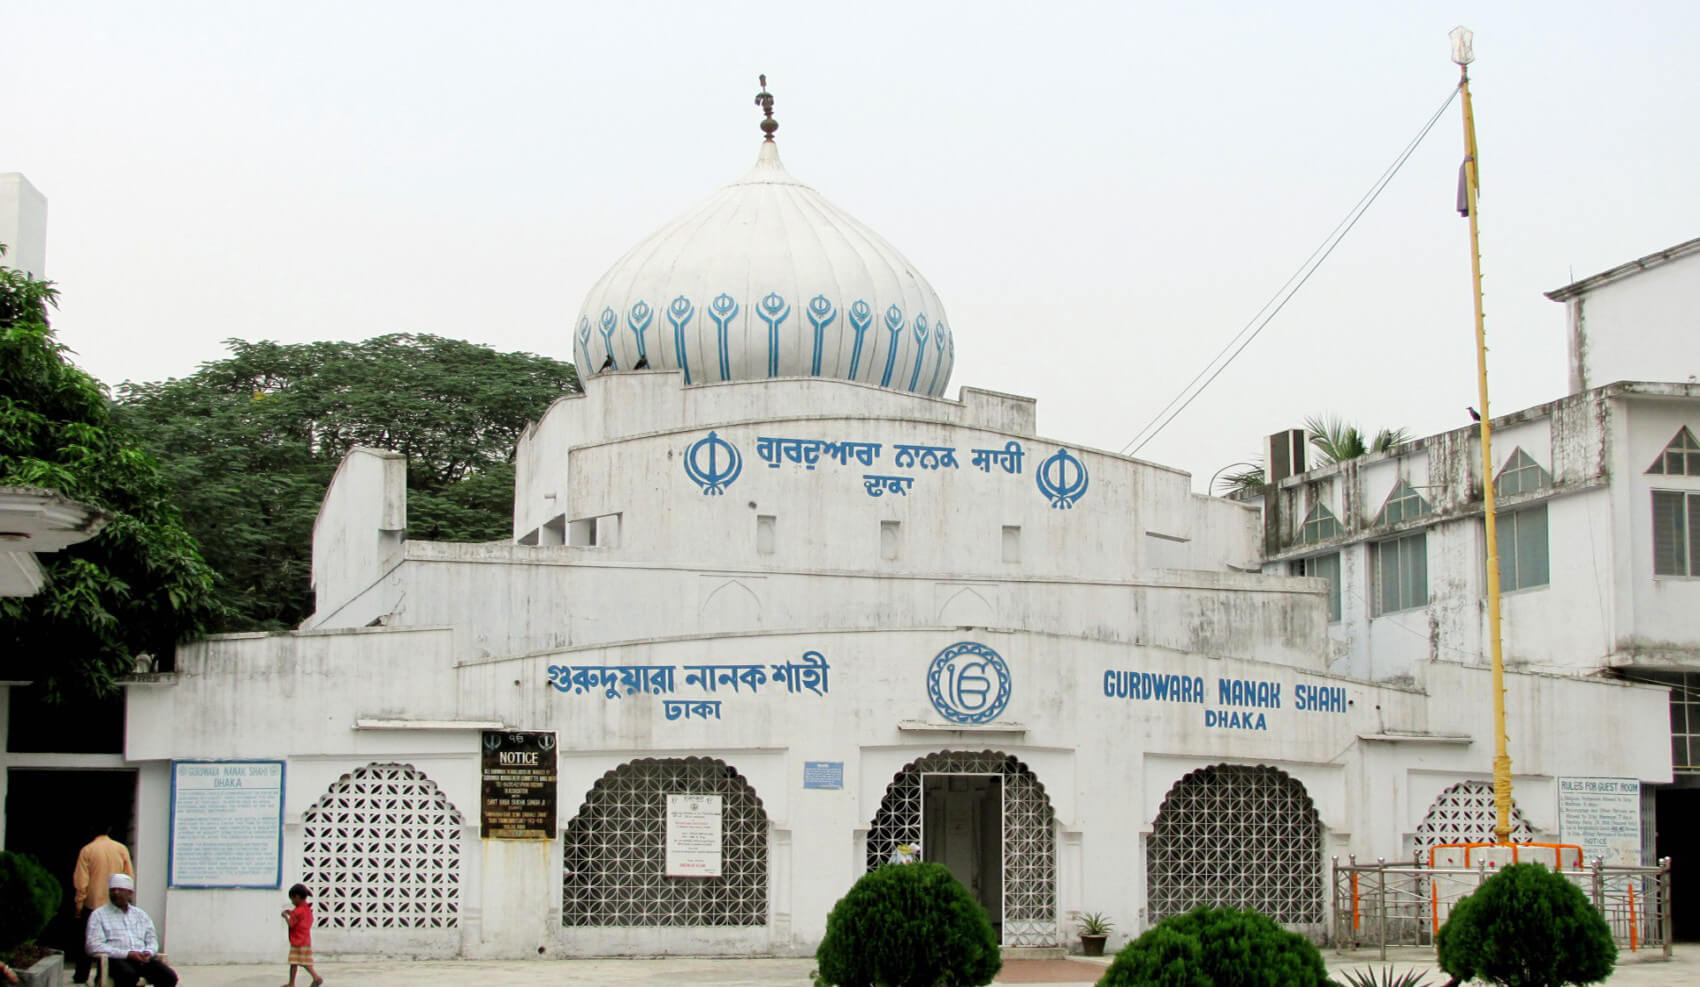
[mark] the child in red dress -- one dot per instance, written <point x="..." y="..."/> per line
<point x="300" y="921"/>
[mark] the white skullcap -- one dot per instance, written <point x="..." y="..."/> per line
<point x="124" y="881"/>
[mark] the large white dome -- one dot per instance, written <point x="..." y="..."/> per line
<point x="767" y="279"/>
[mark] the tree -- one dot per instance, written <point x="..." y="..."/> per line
<point x="1217" y="947"/>
<point x="1526" y="926"/>
<point x="1334" y="441"/>
<point x="250" y="442"/>
<point x="1337" y="441"/>
<point x="908" y="925"/>
<point x="139" y="586"/>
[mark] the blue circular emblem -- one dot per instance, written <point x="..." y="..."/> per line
<point x="1062" y="479"/>
<point x="968" y="683"/>
<point x="712" y="463"/>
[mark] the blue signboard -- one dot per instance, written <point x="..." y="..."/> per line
<point x="823" y="774"/>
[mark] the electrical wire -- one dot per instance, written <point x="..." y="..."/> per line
<point x="1283" y="295"/>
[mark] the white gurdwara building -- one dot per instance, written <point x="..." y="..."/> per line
<point x="774" y="607"/>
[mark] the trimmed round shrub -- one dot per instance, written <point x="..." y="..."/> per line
<point x="1217" y="947"/>
<point x="1527" y="927"/>
<point x="908" y="925"/>
<point x="29" y="897"/>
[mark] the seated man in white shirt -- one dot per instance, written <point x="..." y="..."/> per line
<point x="124" y="934"/>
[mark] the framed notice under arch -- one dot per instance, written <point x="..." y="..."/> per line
<point x="226" y="824"/>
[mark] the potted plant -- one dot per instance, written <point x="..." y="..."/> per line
<point x="1094" y="930"/>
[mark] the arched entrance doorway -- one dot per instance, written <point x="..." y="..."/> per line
<point x="1240" y="836"/>
<point x="986" y="817"/>
<point x="614" y="852"/>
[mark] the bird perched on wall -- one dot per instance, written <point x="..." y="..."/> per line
<point x="609" y="362"/>
<point x="1475" y="415"/>
<point x="642" y="364"/>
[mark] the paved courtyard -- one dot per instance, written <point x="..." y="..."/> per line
<point x="1634" y="970"/>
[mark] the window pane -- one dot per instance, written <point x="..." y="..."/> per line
<point x="1506" y="533"/>
<point x="1418" y="595"/>
<point x="1679" y="752"/>
<point x="1670" y="540"/>
<point x="1693" y="522"/>
<point x="1328" y="567"/>
<point x="1678" y="717"/>
<point x="1531" y="543"/>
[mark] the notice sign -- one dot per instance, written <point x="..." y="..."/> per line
<point x="693" y="836"/>
<point x="226" y="824"/>
<point x="823" y="774"/>
<point x="518" y="785"/>
<point x="1603" y="816"/>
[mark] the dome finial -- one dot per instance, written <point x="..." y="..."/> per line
<point x="764" y="99"/>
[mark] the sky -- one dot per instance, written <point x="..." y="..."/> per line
<point x="1101" y="194"/>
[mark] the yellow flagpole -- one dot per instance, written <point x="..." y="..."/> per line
<point x="1462" y="54"/>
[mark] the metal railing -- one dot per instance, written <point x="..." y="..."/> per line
<point x="1404" y="904"/>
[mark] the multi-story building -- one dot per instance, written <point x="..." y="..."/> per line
<point x="1598" y="508"/>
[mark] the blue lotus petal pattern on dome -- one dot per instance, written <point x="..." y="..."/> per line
<point x="1062" y="478"/>
<point x="773" y="308"/>
<point x="920" y="331"/>
<point x="723" y="310"/>
<point x="584" y="342"/>
<point x="861" y="318"/>
<point x="940" y="334"/>
<point x="610" y="322"/>
<point x="894" y="325"/>
<point x="638" y="320"/>
<point x="679" y="313"/>
<point x="821" y="314"/>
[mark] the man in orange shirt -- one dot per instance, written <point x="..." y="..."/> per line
<point x="98" y="861"/>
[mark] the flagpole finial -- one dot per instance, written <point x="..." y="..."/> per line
<point x="764" y="99"/>
<point x="1462" y="53"/>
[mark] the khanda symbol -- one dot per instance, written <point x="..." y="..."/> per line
<point x="713" y="464"/>
<point x="1062" y="479"/>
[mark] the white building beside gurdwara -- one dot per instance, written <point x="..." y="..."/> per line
<point x="775" y="606"/>
<point x="1598" y="507"/>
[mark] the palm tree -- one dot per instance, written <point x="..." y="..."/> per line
<point x="1336" y="441"/>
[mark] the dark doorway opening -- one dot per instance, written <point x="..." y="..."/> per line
<point x="1677" y="816"/>
<point x="962" y="828"/>
<point x="51" y="813"/>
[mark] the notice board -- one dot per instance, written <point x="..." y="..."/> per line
<point x="693" y="836"/>
<point x="1603" y="816"/>
<point x="226" y="824"/>
<point x="518" y="785"/>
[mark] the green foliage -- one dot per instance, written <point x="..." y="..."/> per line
<point x="1368" y="977"/>
<point x="141" y="584"/>
<point x="908" y="925"/>
<point x="1095" y="924"/>
<point x="29" y="898"/>
<point x="1527" y="927"/>
<point x="1217" y="947"/>
<point x="250" y="442"/>
<point x="1335" y="441"/>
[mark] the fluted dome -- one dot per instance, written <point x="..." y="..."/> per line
<point x="767" y="279"/>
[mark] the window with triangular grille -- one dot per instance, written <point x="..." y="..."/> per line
<point x="614" y="852"/>
<point x="1237" y="835"/>
<point x="1403" y="504"/>
<point x="1680" y="458"/>
<point x="1029" y="837"/>
<point x="1521" y="475"/>
<point x="381" y="850"/>
<point x="1465" y="813"/>
<point x="1320" y="525"/>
